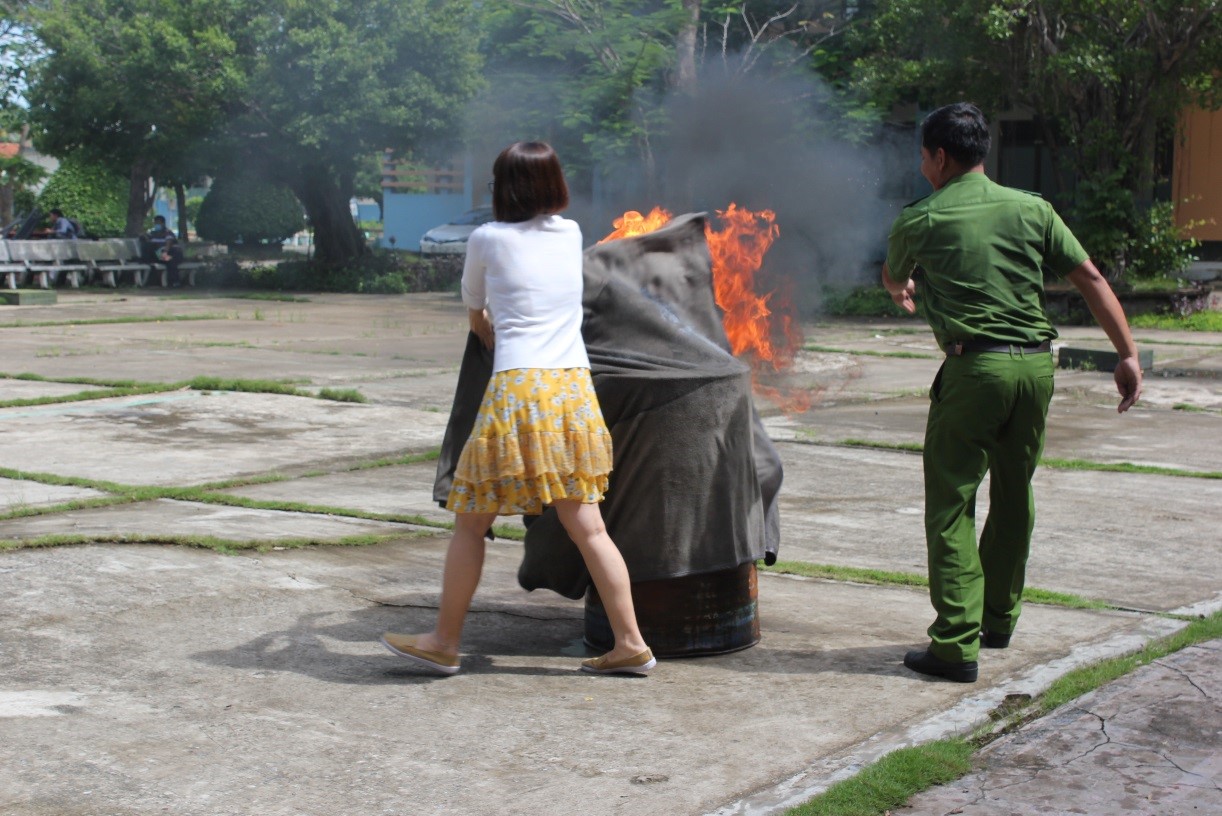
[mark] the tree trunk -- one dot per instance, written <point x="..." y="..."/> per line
<point x="6" y="205"/>
<point x="180" y="201"/>
<point x="685" y="48"/>
<point x="138" y="198"/>
<point x="336" y="237"/>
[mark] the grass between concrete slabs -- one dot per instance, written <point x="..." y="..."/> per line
<point x="859" y="575"/>
<point x="126" y="388"/>
<point x="102" y="321"/>
<point x="1048" y="462"/>
<point x="212" y="493"/>
<point x="892" y="780"/>
<point x="908" y="355"/>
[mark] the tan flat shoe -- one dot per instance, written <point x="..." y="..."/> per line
<point x="641" y="663"/>
<point x="405" y="646"/>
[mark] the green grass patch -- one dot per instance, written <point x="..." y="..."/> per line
<point x="854" y="574"/>
<point x="1080" y="681"/>
<point x="892" y="780"/>
<point x="286" y="387"/>
<point x="1149" y="341"/>
<point x="911" y="447"/>
<point x="861" y="575"/>
<point x="1048" y="462"/>
<point x="101" y="321"/>
<point x="1127" y="467"/>
<point x="268" y="296"/>
<point x="342" y="395"/>
<point x="1190" y="408"/>
<point x="908" y="355"/>
<point x="221" y="545"/>
<point x="1205" y="321"/>
<point x="83" y="396"/>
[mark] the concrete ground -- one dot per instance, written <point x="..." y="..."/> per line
<point x="145" y="678"/>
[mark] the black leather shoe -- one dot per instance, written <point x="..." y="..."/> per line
<point x="993" y="640"/>
<point x="926" y="662"/>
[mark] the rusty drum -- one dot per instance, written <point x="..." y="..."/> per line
<point x="710" y="613"/>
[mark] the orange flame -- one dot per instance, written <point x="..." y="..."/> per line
<point x="633" y="223"/>
<point x="767" y="332"/>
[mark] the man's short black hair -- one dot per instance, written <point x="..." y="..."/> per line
<point x="959" y="129"/>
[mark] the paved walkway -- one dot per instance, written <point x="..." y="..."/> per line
<point x="144" y="678"/>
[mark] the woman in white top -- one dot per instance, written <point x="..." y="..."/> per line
<point x="539" y="438"/>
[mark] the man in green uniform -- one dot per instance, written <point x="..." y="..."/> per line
<point x="982" y="251"/>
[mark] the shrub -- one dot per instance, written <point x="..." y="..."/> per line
<point x="860" y="301"/>
<point x="380" y="272"/>
<point x="91" y="194"/>
<point x="248" y="210"/>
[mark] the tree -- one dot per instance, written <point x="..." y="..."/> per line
<point x="134" y="84"/>
<point x="249" y="210"/>
<point x="334" y="81"/>
<point x="1103" y="79"/>
<point x="91" y="193"/>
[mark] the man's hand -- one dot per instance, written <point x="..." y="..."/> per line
<point x="901" y="293"/>
<point x="1128" y="383"/>
<point x="482" y="326"/>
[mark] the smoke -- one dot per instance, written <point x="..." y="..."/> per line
<point x="763" y="140"/>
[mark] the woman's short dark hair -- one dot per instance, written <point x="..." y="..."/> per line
<point x="527" y="181"/>
<point x="959" y="129"/>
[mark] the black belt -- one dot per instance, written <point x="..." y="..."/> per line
<point x="958" y="348"/>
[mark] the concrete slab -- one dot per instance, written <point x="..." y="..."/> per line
<point x="11" y="389"/>
<point x="864" y="508"/>
<point x="1145" y="744"/>
<point x="143" y="679"/>
<point x="195" y="437"/>
<point x="403" y="489"/>
<point x="149" y="678"/>
<point x="19" y="493"/>
<point x="1079" y="427"/>
<point x="171" y="518"/>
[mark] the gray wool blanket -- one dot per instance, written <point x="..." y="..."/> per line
<point x="696" y="478"/>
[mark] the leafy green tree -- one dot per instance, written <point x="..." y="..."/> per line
<point x="17" y="174"/>
<point x="249" y="210"/>
<point x="134" y="84"/>
<point x="333" y="81"/>
<point x="91" y="193"/>
<point x="1103" y="79"/>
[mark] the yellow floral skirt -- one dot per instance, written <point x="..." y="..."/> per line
<point x="539" y="437"/>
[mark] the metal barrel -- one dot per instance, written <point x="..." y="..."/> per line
<point x="706" y="614"/>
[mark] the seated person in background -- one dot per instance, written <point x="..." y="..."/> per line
<point x="153" y="240"/>
<point x="171" y="256"/>
<point x="61" y="227"/>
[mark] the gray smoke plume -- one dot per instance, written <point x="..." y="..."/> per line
<point x="763" y="141"/>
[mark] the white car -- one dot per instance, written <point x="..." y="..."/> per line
<point x="451" y="238"/>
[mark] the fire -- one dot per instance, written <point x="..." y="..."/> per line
<point x="764" y="328"/>
<point x="633" y="223"/>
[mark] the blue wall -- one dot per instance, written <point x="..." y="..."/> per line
<point x="407" y="216"/>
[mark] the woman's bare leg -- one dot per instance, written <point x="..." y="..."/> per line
<point x="464" y="565"/>
<point x="584" y="524"/>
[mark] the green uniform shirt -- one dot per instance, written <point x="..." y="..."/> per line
<point x="983" y="250"/>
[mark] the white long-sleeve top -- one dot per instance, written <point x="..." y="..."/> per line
<point x="528" y="276"/>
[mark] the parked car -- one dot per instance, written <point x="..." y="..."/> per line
<point x="451" y="238"/>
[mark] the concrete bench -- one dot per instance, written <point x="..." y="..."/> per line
<point x="15" y="273"/>
<point x="110" y="258"/>
<point x="48" y="260"/>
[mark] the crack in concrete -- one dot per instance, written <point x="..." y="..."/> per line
<point x="472" y="611"/>
<point x="1187" y="772"/>
<point x="1107" y="738"/>
<point x="1184" y="675"/>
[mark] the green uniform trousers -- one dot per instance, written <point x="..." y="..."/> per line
<point x="987" y="413"/>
